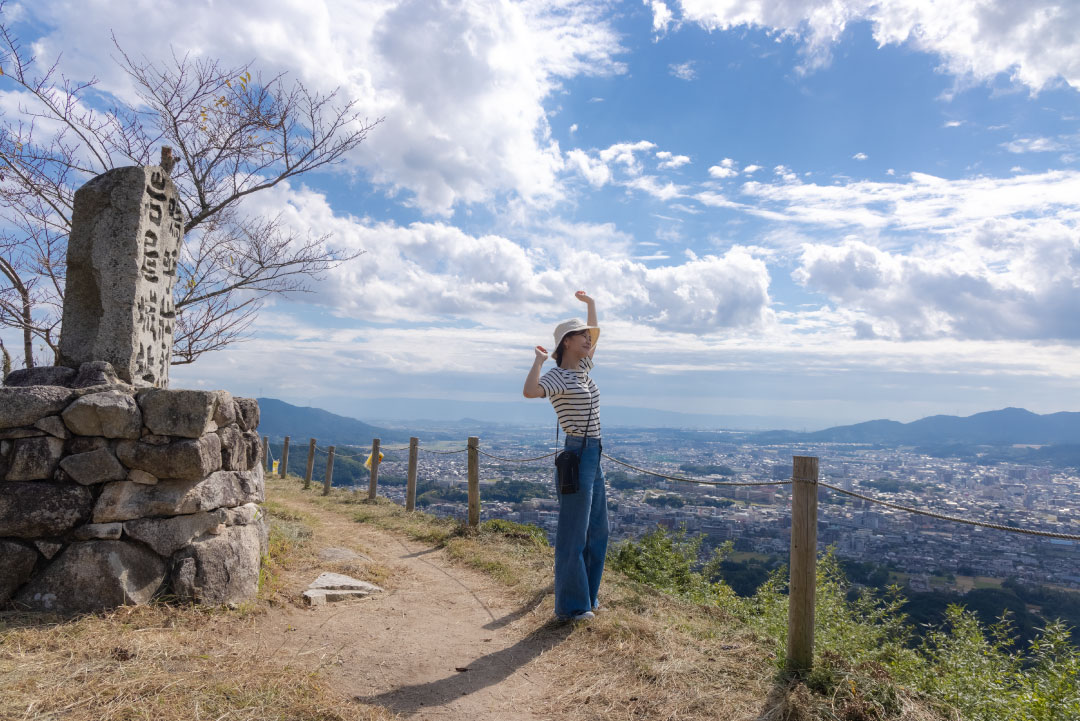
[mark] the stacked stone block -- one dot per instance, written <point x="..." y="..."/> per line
<point x="112" y="494"/>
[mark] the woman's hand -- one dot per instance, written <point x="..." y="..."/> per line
<point x="583" y="297"/>
<point x="532" y="388"/>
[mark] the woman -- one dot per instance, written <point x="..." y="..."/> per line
<point x="582" y="535"/>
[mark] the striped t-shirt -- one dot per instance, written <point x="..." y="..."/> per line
<point x="574" y="394"/>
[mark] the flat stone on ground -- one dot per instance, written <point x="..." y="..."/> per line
<point x="340" y="582"/>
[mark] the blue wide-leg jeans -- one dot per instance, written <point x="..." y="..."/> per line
<point x="582" y="536"/>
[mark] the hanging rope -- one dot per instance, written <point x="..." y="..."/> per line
<point x="697" y="480"/>
<point x="516" y="460"/>
<point x="954" y="519"/>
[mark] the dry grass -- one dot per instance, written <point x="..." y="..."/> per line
<point x="171" y="663"/>
<point x="647" y="655"/>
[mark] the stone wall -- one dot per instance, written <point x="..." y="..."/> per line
<point x="112" y="494"/>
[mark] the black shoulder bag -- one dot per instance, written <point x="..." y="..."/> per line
<point x="567" y="461"/>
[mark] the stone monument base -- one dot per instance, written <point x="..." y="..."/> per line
<point x="113" y="495"/>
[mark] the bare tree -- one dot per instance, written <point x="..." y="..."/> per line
<point x="231" y="133"/>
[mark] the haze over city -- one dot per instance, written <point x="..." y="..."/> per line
<point x="807" y="212"/>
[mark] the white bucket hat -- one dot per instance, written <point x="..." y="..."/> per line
<point x="569" y="326"/>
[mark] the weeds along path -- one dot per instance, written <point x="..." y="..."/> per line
<point x="442" y="641"/>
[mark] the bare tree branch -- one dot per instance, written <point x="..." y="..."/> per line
<point x="234" y="134"/>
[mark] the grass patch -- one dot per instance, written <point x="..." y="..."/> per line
<point x="171" y="663"/>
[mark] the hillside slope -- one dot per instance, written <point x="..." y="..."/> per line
<point x="278" y="419"/>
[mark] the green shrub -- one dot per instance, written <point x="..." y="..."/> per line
<point x="668" y="561"/>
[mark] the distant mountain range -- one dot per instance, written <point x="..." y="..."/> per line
<point x="1005" y="427"/>
<point x="1008" y="426"/>
<point x="278" y="419"/>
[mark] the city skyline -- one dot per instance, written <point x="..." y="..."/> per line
<point x="802" y="210"/>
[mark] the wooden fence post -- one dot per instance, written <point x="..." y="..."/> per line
<point x="267" y="465"/>
<point x="284" y="465"/>
<point x="410" y="485"/>
<point x="373" y="484"/>
<point x="310" y="464"/>
<point x="329" y="471"/>
<point x="803" y="564"/>
<point x="474" y="482"/>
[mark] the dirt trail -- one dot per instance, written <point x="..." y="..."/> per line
<point x="442" y="642"/>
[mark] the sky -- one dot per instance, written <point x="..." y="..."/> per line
<point x="811" y="211"/>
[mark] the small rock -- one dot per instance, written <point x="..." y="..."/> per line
<point x="95" y="373"/>
<point x="184" y="413"/>
<point x="14" y="433"/>
<point x="35" y="510"/>
<point x="247" y="410"/>
<point x="99" y="531"/>
<point x="186" y="459"/>
<point x="48" y="548"/>
<point x="97" y="466"/>
<point x="54" y="426"/>
<point x="137" y="476"/>
<point x="25" y="406"/>
<point x="168" y="535"/>
<point x="113" y="414"/>
<point x="35" y="459"/>
<point x="41" y="376"/>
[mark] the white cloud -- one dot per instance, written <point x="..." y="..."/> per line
<point x="726" y="169"/>
<point x="465" y="120"/>
<point x="683" y="71"/>
<point x="594" y="170"/>
<point x="859" y="156"/>
<point x="923" y="203"/>
<point x="1035" y="145"/>
<point x="670" y="160"/>
<point x="953" y="123"/>
<point x="649" y="184"/>
<point x="625" y="154"/>
<point x="434" y="272"/>
<point x="751" y="169"/>
<point x="661" y="15"/>
<point x="1034" y="42"/>
<point x="1012" y="281"/>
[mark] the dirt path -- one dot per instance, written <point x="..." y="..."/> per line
<point x="442" y="642"/>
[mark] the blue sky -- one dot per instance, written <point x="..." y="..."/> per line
<point x="802" y="209"/>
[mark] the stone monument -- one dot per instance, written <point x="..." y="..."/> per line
<point x="122" y="256"/>
<point x="114" y="489"/>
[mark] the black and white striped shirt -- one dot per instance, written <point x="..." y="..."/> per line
<point x="574" y="394"/>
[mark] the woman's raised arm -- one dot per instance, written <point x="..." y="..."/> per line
<point x="532" y="388"/>
<point x="591" y="319"/>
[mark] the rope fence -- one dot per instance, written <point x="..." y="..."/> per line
<point x="804" y="482"/>
<point x="414" y="447"/>
<point x="954" y="519"/>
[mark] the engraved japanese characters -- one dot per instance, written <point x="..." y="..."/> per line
<point x="122" y="261"/>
